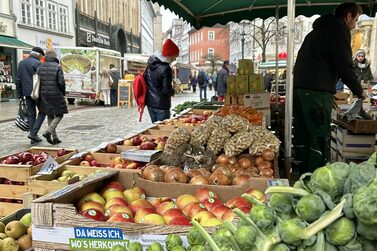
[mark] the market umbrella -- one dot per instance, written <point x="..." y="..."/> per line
<point x="201" y="13"/>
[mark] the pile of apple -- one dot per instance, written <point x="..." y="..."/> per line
<point x="189" y="120"/>
<point x="28" y="158"/>
<point x="144" y="143"/>
<point x="16" y="235"/>
<point x="118" y="163"/>
<point x="115" y="204"/>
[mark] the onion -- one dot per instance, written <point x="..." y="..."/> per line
<point x="266" y="172"/>
<point x="268" y="154"/>
<point x="216" y="166"/>
<point x="155" y="174"/>
<point x="265" y="164"/>
<point x="258" y="160"/>
<point x="222" y="159"/>
<point x="218" y="178"/>
<point x="164" y="167"/>
<point x="193" y="172"/>
<point x="225" y="170"/>
<point x="252" y="171"/>
<point x="232" y="160"/>
<point x="199" y="180"/>
<point x="175" y="175"/>
<point x="244" y="163"/>
<point x="204" y="172"/>
<point x="240" y="180"/>
<point x="145" y="171"/>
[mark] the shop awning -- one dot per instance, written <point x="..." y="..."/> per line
<point x="272" y="64"/>
<point x="12" y="42"/>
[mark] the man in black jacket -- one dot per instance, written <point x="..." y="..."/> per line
<point x="324" y="57"/>
<point x="158" y="77"/>
<point x="24" y="84"/>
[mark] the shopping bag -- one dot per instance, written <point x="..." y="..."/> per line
<point x="356" y="111"/>
<point x="36" y="87"/>
<point x="22" y="120"/>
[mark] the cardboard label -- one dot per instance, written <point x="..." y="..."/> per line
<point x="231" y="85"/>
<point x="242" y="84"/>
<point x="257" y="100"/>
<point x="49" y="166"/>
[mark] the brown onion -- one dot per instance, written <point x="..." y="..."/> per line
<point x="204" y="172"/>
<point x="225" y="170"/>
<point x="240" y="180"/>
<point x="244" y="163"/>
<point x="145" y="171"/>
<point x="175" y="175"/>
<point x="266" y="172"/>
<point x="268" y="154"/>
<point x="219" y="178"/>
<point x="155" y="174"/>
<point x="222" y="159"/>
<point x="193" y="172"/>
<point x="232" y="160"/>
<point x="265" y="164"/>
<point x="164" y="167"/>
<point x="199" y="180"/>
<point x="258" y="160"/>
<point x="216" y="166"/>
<point x="252" y="171"/>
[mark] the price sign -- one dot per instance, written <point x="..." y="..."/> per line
<point x="49" y="166"/>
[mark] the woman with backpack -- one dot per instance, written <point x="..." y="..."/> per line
<point x="193" y="82"/>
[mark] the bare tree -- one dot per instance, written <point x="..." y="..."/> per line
<point x="213" y="59"/>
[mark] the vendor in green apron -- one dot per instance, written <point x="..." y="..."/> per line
<point x="324" y="57"/>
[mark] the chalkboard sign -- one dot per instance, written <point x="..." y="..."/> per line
<point x="124" y="93"/>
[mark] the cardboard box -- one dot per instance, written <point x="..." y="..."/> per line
<point x="231" y="84"/>
<point x="245" y="66"/>
<point x="257" y="100"/>
<point x="256" y="83"/>
<point x="242" y="82"/>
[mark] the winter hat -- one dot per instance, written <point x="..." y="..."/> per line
<point x="39" y="50"/>
<point x="169" y="49"/>
<point x="360" y="52"/>
<point x="51" y="53"/>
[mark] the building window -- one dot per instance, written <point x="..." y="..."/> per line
<point x="211" y="53"/>
<point x="63" y="17"/>
<point x="211" y="35"/>
<point x="52" y="16"/>
<point x="40" y="13"/>
<point x="26" y="11"/>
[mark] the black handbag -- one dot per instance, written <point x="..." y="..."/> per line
<point x="22" y="120"/>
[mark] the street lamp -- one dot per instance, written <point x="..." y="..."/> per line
<point x="243" y="35"/>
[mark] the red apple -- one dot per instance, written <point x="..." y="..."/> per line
<point x="95" y="163"/>
<point x="165" y="206"/>
<point x="192" y="209"/>
<point x="118" y="166"/>
<point x="133" y="194"/>
<point x="94" y="214"/>
<point x="157" y="201"/>
<point x="44" y="155"/>
<point x="118" y="209"/>
<point x="39" y="160"/>
<point x="12" y="160"/>
<point x="172" y="213"/>
<point x="219" y="210"/>
<point x="204" y="193"/>
<point x="256" y="194"/>
<point x="120" y="217"/>
<point x="30" y="163"/>
<point x="237" y="202"/>
<point x="147" y="146"/>
<point x="91" y="205"/>
<point x="202" y="216"/>
<point x="111" y="193"/>
<point x="138" y="204"/>
<point x="84" y="163"/>
<point x="88" y="157"/>
<point x="111" y="148"/>
<point x="91" y="197"/>
<point x="61" y="152"/>
<point x="185" y="199"/>
<point x="116" y="201"/>
<point x="228" y="215"/>
<point x="3" y="161"/>
<point x="179" y="221"/>
<point x="139" y="216"/>
<point x="212" y="202"/>
<point x="154" y="219"/>
<point x="136" y="141"/>
<point x="114" y="184"/>
<point x="246" y="210"/>
<point x="25" y="157"/>
<point x="131" y="165"/>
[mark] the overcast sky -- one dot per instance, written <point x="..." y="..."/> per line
<point x="167" y="18"/>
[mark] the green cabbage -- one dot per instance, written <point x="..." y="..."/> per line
<point x="172" y="240"/>
<point x="263" y="216"/>
<point x="364" y="204"/>
<point x="310" y="207"/>
<point x="341" y="231"/>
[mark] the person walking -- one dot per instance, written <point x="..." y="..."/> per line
<point x="324" y="57"/>
<point x="51" y="100"/>
<point x="105" y="80"/>
<point x="362" y="67"/>
<point x="210" y="82"/>
<point x="194" y="82"/>
<point x="221" y="81"/>
<point x="114" y="74"/>
<point x="202" y="82"/>
<point x="24" y="85"/>
<point x="158" y="77"/>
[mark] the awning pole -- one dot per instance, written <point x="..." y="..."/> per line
<point x="289" y="88"/>
<point x="277" y="39"/>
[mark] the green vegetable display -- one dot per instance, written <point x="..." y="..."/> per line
<point x="340" y="232"/>
<point x="135" y="246"/>
<point x="263" y="215"/>
<point x="172" y="241"/>
<point x="155" y="246"/>
<point x="310" y="207"/>
<point x="181" y="107"/>
<point x="194" y="237"/>
<point x="118" y="248"/>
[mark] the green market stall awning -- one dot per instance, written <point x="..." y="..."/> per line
<point x="12" y="42"/>
<point x="201" y="13"/>
<point x="272" y="64"/>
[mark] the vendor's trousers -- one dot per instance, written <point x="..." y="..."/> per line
<point x="312" y="114"/>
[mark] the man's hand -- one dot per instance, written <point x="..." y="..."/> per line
<point x="363" y="96"/>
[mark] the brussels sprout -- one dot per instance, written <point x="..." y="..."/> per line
<point x="340" y="232"/>
<point x="353" y="245"/>
<point x="310" y="207"/>
<point x="241" y="223"/>
<point x="135" y="246"/>
<point x="299" y="184"/>
<point x="263" y="216"/>
<point x="330" y="179"/>
<point x="329" y="247"/>
<point x="364" y="205"/>
<point x="367" y="231"/>
<point x="172" y="240"/>
<point x="178" y="248"/>
<point x="360" y="175"/>
<point x="197" y="248"/>
<point x="280" y="247"/>
<point x="221" y="238"/>
<point x="290" y="231"/>
<point x="373" y="158"/>
<point x="367" y="245"/>
<point x="282" y="203"/>
<point x="155" y="246"/>
<point x="245" y="236"/>
<point x="195" y="238"/>
<point x="118" y="248"/>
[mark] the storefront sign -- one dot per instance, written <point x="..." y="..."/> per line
<point x="47" y="42"/>
<point x="91" y="38"/>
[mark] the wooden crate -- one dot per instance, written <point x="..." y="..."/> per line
<point x="56" y="213"/>
<point x="7" y="208"/>
<point x="17" y="215"/>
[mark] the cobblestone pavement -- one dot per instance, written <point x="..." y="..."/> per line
<point x="86" y="128"/>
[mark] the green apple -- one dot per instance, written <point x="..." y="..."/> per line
<point x="26" y="219"/>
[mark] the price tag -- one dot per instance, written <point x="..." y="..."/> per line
<point x="78" y="155"/>
<point x="49" y="166"/>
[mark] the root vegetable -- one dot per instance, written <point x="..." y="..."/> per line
<point x="204" y="172"/>
<point x="244" y="163"/>
<point x="232" y="160"/>
<point x="216" y="166"/>
<point x="225" y="170"/>
<point x="218" y="178"/>
<point x="222" y="159"/>
<point x="192" y="173"/>
<point x="240" y="180"/>
<point x="175" y="175"/>
<point x="156" y="174"/>
<point x="268" y="155"/>
<point x="199" y="180"/>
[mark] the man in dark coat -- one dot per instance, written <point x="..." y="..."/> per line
<point x="52" y="100"/>
<point x="324" y="57"/>
<point x="24" y="84"/>
<point x="115" y="76"/>
<point x="158" y="77"/>
<point x="221" y="81"/>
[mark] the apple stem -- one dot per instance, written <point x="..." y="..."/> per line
<point x="230" y="226"/>
<point x="251" y="199"/>
<point x="206" y="236"/>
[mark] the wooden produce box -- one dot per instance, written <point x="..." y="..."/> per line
<point x="11" y="193"/>
<point x="55" y="213"/>
<point x="44" y="184"/>
<point x="17" y="215"/>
